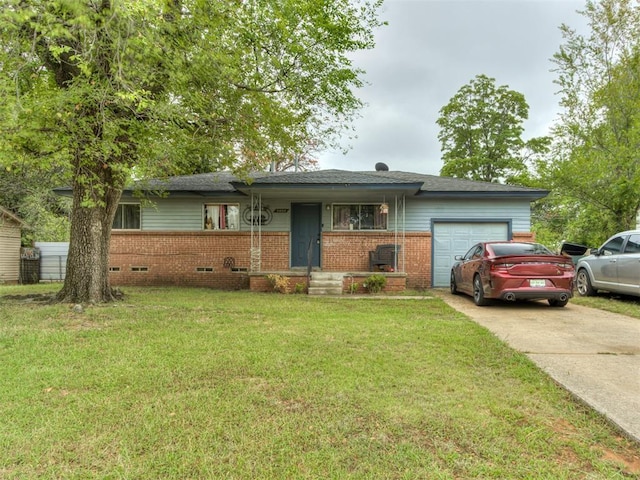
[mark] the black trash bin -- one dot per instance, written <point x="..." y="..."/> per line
<point x="29" y="265"/>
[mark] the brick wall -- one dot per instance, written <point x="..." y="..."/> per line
<point x="350" y="253"/>
<point x="180" y="258"/>
<point x="275" y="251"/>
<point x="203" y="258"/>
<point x="524" y="237"/>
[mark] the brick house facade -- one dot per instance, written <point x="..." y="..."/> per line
<point x="168" y="243"/>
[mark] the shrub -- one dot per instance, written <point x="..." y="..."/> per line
<point x="300" y="288"/>
<point x="279" y="283"/>
<point x="375" y="283"/>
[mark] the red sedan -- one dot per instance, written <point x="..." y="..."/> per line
<point x="513" y="271"/>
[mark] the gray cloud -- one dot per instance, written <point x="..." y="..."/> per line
<point x="428" y="51"/>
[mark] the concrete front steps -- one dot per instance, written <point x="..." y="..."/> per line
<point x="326" y="283"/>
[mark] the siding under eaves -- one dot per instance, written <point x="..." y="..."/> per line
<point x="419" y="214"/>
<point x="186" y="214"/>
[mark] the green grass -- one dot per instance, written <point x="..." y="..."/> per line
<point x="625" y="305"/>
<point x="193" y="383"/>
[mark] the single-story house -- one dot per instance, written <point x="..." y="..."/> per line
<point x="10" y="230"/>
<point x="220" y="231"/>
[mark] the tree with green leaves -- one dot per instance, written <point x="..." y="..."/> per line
<point x="28" y="193"/>
<point x="595" y="167"/>
<point x="481" y="133"/>
<point x="103" y="88"/>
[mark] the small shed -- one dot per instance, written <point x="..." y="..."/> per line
<point x="10" y="230"/>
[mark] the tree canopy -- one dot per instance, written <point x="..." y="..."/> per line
<point x="481" y="133"/>
<point x="103" y="88"/>
<point x="29" y="194"/>
<point x="594" y="170"/>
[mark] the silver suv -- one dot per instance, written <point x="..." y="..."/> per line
<point x="614" y="267"/>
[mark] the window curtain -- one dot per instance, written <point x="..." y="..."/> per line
<point x="222" y="219"/>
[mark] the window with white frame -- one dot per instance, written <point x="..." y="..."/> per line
<point x="127" y="217"/>
<point x="221" y="216"/>
<point x="359" y="217"/>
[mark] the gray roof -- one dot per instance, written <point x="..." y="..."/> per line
<point x="436" y="186"/>
<point x="418" y="184"/>
<point x="332" y="177"/>
<point x="203" y="183"/>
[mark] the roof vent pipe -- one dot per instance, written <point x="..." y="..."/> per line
<point x="381" y="167"/>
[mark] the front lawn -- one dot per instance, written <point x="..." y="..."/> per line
<point x="193" y="383"/>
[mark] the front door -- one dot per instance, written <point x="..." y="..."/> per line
<point x="306" y="225"/>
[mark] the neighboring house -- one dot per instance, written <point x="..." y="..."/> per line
<point x="220" y="231"/>
<point x="10" y="229"/>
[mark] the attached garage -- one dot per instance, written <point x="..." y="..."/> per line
<point x="451" y="238"/>
<point x="10" y="229"/>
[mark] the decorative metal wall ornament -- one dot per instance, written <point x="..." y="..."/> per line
<point x="260" y="216"/>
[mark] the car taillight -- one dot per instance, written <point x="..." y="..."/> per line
<point x="501" y="266"/>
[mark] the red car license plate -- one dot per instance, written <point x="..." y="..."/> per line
<point x="537" y="283"/>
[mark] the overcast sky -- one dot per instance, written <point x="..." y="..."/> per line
<point x="430" y="49"/>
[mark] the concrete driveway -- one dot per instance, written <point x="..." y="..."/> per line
<point x="592" y="353"/>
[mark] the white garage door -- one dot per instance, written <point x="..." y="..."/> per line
<point x="451" y="239"/>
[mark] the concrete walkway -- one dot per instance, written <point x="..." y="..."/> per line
<point x="592" y="353"/>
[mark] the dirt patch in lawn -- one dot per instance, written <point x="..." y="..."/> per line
<point x="629" y="462"/>
<point x="30" y="298"/>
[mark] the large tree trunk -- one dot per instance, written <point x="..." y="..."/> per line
<point x="87" y="276"/>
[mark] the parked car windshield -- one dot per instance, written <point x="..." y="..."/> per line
<point x="501" y="249"/>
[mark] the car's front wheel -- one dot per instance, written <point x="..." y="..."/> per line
<point x="478" y="292"/>
<point x="583" y="284"/>
<point x="452" y="284"/>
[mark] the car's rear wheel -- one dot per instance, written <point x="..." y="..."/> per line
<point x="557" y="303"/>
<point x="478" y="292"/>
<point x="452" y="284"/>
<point x="583" y="284"/>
